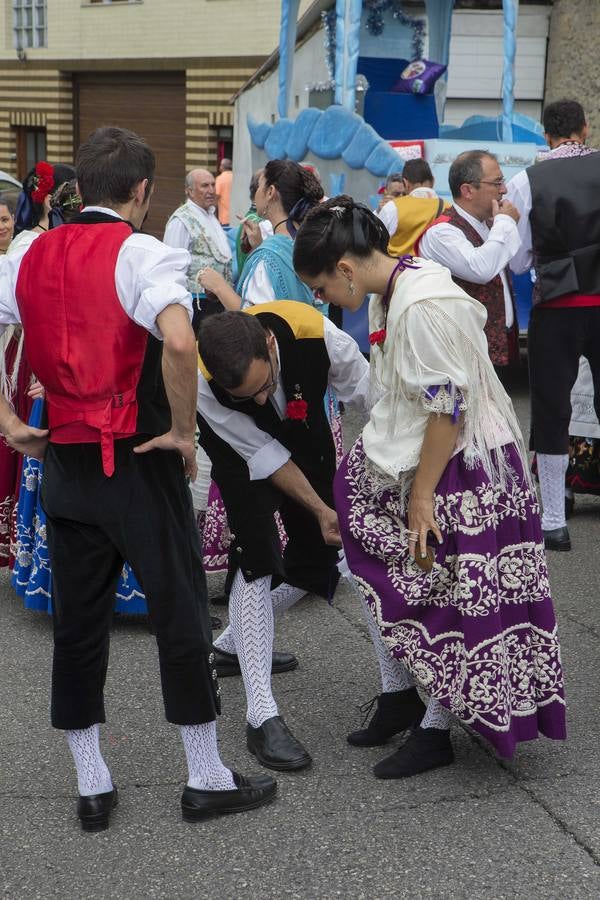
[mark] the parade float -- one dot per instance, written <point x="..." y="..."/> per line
<point x="372" y="103"/>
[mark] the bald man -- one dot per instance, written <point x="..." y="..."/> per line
<point x="195" y="227"/>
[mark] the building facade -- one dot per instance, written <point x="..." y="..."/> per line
<point x="164" y="68"/>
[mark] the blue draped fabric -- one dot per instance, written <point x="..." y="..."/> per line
<point x="347" y="41"/>
<point x="511" y="10"/>
<point x="287" y="48"/>
<point x="32" y="575"/>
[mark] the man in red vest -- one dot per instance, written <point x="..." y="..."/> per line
<point x="106" y="316"/>
<point x="477" y="254"/>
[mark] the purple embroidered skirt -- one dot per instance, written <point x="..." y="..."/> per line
<point x="477" y="632"/>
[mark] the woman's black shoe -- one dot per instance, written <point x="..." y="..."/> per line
<point x="94" y="811"/>
<point x="426" y="748"/>
<point x="249" y="793"/>
<point x="395" y="712"/>
<point x="557" y="539"/>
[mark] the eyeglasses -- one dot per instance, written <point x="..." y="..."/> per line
<point x="497" y="183"/>
<point x="266" y="387"/>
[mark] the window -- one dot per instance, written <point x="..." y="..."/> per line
<point x="29" y="24"/>
<point x="31" y="148"/>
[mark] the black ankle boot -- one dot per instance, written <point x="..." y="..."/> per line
<point x="395" y="713"/>
<point x="425" y="749"/>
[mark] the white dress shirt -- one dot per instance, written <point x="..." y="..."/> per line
<point x="348" y="376"/>
<point x="177" y="235"/>
<point x="389" y="211"/>
<point x="148" y="277"/>
<point x="448" y="245"/>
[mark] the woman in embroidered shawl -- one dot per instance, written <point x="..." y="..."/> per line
<point x="438" y="515"/>
<point x="285" y="193"/>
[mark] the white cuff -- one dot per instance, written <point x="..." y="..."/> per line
<point x="267" y="460"/>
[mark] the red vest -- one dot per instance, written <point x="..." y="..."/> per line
<point x="80" y="343"/>
<point x="503" y="343"/>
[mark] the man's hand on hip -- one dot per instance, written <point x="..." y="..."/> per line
<point x="170" y="441"/>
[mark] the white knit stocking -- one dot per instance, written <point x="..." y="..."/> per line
<point x="282" y="598"/>
<point x="93" y="776"/>
<point x="252" y="624"/>
<point x="552" y="469"/>
<point x="436" y="716"/>
<point x="206" y="771"/>
<point x="394" y="675"/>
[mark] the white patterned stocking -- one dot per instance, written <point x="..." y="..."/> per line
<point x="552" y="469"/>
<point x="394" y="675"/>
<point x="436" y="716"/>
<point x="252" y="624"/>
<point x="206" y="771"/>
<point x="282" y="597"/>
<point x="93" y="776"/>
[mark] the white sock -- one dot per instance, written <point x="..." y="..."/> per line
<point x="552" y="469"/>
<point x="394" y="675"/>
<point x="93" y="776"/>
<point x="436" y="716"/>
<point x="252" y="624"/>
<point x="282" y="598"/>
<point x="206" y="771"/>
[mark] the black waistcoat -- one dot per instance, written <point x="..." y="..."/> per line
<point x="304" y="371"/>
<point x="565" y="225"/>
<point x="154" y="413"/>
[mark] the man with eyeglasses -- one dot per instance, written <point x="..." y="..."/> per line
<point x="477" y="252"/>
<point x="263" y="378"/>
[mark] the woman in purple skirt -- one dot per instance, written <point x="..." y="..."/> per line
<point x="438" y="515"/>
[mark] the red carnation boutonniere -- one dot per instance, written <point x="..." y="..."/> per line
<point x="378" y="337"/>
<point x="297" y="409"/>
<point x="43" y="181"/>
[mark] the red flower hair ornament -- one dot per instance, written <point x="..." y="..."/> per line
<point x="43" y="181"/>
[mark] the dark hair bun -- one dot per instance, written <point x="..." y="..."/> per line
<point x="336" y="228"/>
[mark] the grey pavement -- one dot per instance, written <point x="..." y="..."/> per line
<point x="483" y="828"/>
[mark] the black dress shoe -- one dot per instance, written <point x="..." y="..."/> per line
<point x="249" y="793"/>
<point x="215" y="622"/>
<point x="94" y="811"/>
<point x="274" y="745"/>
<point x="228" y="664"/>
<point x="426" y="748"/>
<point x="557" y="539"/>
<point x="395" y="712"/>
<point x="219" y="600"/>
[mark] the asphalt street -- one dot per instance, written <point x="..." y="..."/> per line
<point x="482" y="828"/>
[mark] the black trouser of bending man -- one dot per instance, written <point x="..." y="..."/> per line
<point x="557" y="338"/>
<point x="142" y="514"/>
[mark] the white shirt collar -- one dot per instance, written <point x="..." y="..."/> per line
<point x="198" y="210"/>
<point x="480" y="227"/>
<point x="102" y="209"/>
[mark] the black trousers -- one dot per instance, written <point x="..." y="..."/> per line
<point x="556" y="340"/>
<point x="307" y="561"/>
<point x="142" y="514"/>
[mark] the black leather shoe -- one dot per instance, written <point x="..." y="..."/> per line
<point x="274" y="745"/>
<point x="228" y="664"/>
<point x="395" y="713"/>
<point x="426" y="748"/>
<point x="557" y="539"/>
<point x="94" y="811"/>
<point x="219" y="600"/>
<point x="215" y="622"/>
<point x="249" y="793"/>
